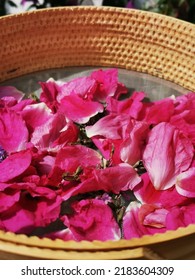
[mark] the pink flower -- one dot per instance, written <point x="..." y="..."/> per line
<point x="13" y="131"/>
<point x="167" y="154"/>
<point x="92" y="220"/>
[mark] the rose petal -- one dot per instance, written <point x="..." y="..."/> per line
<point x="185" y="184"/>
<point x="166" y="155"/>
<point x="14" y="165"/>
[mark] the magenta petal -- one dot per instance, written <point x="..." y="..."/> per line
<point x="185" y="184"/>
<point x="78" y="109"/>
<point x="147" y="194"/>
<point x="92" y="220"/>
<point x="132" y="147"/>
<point x="49" y="94"/>
<point x="14" y="165"/>
<point x="21" y="221"/>
<point x="180" y="217"/>
<point x="107" y="83"/>
<point x="132" y="227"/>
<point x="13" y="131"/>
<point x="166" y="155"/>
<point x="153" y="216"/>
<point x="8" y="199"/>
<point x="82" y="86"/>
<point x="111" y="127"/>
<point x="12" y="92"/>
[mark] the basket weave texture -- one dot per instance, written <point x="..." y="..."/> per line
<point x="89" y="36"/>
<point x="131" y="39"/>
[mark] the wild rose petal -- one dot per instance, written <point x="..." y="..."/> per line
<point x="150" y="215"/>
<point x="107" y="83"/>
<point x="49" y="94"/>
<point x="36" y="115"/>
<point x="166" y="155"/>
<point x="11" y="92"/>
<point x="82" y="86"/>
<point x="160" y="111"/>
<point x="46" y="134"/>
<point x="18" y="220"/>
<point x="113" y="179"/>
<point x="8" y="199"/>
<point x="132" y="147"/>
<point x="132" y="227"/>
<point x="79" y="110"/>
<point x="92" y="220"/>
<point x="13" y="131"/>
<point x="185" y="184"/>
<point x="180" y="216"/>
<point x="147" y="194"/>
<point x="130" y="106"/>
<point x="14" y="165"/>
<point x="111" y="126"/>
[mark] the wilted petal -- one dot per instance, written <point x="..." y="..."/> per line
<point x="147" y="194"/>
<point x="82" y="86"/>
<point x="14" y="165"/>
<point x="132" y="227"/>
<point x="92" y="220"/>
<point x="11" y="91"/>
<point x="79" y="110"/>
<point x="132" y="147"/>
<point x="111" y="127"/>
<point x="166" y="155"/>
<point x="13" y="131"/>
<point x="150" y="215"/>
<point x="185" y="184"/>
<point x="107" y="83"/>
<point x="49" y="94"/>
<point x="181" y="216"/>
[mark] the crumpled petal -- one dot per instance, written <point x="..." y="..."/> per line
<point x="13" y="131"/>
<point x="79" y="110"/>
<point x="14" y="165"/>
<point x="11" y="91"/>
<point x="166" y="155"/>
<point x="92" y="220"/>
<point x="132" y="227"/>
<point x="185" y="183"/>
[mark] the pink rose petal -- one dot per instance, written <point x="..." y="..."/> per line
<point x="166" y="155"/>
<point x="185" y="184"/>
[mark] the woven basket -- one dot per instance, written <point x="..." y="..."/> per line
<point x="89" y="36"/>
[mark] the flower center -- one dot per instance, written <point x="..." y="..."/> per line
<point x="3" y="154"/>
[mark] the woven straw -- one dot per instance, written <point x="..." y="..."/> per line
<point x="89" y="36"/>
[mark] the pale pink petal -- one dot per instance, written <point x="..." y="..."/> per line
<point x="14" y="165"/>
<point x="13" y="131"/>
<point x="185" y="184"/>
<point x="166" y="155"/>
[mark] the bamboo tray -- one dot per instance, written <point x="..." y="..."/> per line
<point x="157" y="45"/>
